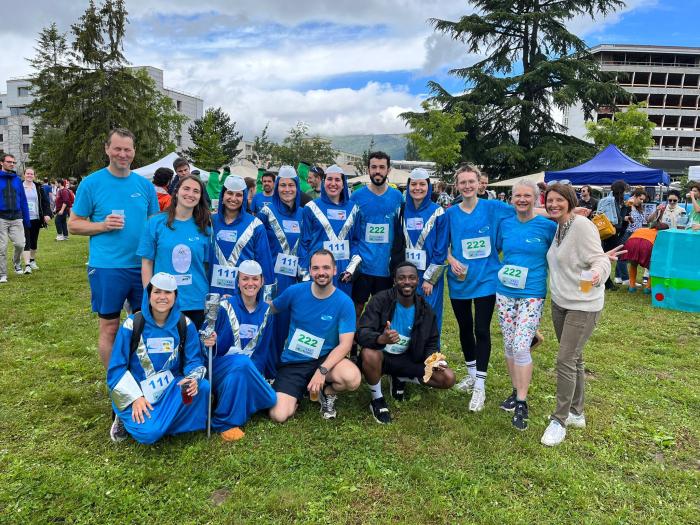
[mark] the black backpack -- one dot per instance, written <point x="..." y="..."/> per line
<point x="139" y="323"/>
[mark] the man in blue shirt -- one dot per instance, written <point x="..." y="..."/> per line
<point x="379" y="204"/>
<point x="321" y="330"/>
<point x="111" y="207"/>
<point x="265" y="198"/>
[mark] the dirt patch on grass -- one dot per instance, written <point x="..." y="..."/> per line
<point x="219" y="497"/>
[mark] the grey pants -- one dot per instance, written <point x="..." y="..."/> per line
<point x="13" y="229"/>
<point x="573" y="328"/>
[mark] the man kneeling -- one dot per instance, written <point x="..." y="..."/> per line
<point x="397" y="333"/>
<point x="321" y="330"/>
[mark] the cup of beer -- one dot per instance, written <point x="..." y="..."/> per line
<point x="461" y="276"/>
<point x="313" y="395"/>
<point x="585" y="281"/>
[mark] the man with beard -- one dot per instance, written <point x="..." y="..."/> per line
<point x="379" y="204"/>
<point x="397" y="332"/>
<point x="321" y="330"/>
<point x="264" y="198"/>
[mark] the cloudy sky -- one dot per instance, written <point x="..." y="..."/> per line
<point x="344" y="67"/>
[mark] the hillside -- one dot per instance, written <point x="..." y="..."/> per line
<point x="394" y="145"/>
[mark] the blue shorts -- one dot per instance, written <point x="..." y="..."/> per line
<point x="110" y="287"/>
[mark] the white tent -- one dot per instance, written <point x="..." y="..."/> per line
<point x="167" y="162"/>
<point x="534" y="177"/>
<point x="396" y="176"/>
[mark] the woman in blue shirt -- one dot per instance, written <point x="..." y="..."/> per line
<point x="522" y="286"/>
<point x="176" y="241"/>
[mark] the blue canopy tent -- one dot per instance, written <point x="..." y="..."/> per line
<point x="607" y="167"/>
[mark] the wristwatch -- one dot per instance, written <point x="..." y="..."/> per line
<point x="323" y="370"/>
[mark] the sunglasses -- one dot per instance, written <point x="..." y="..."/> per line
<point x="566" y="182"/>
<point x="672" y="200"/>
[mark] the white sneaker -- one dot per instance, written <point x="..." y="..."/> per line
<point x="59" y="237"/>
<point x="466" y="384"/>
<point x="3" y="278"/>
<point x="477" y="402"/>
<point x="33" y="265"/>
<point x="626" y="282"/>
<point x="27" y="269"/>
<point x="618" y="280"/>
<point x="575" y="421"/>
<point x="18" y="269"/>
<point x="554" y="434"/>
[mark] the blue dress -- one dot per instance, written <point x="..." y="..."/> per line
<point x="154" y="370"/>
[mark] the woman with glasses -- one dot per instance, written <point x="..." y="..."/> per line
<point x="669" y="214"/>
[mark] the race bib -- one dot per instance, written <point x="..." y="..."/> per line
<point x="306" y="344"/>
<point x="476" y="248"/>
<point x="227" y="235"/>
<point x="400" y="347"/>
<point x="417" y="257"/>
<point x="286" y="264"/>
<point x="153" y="387"/>
<point x="183" y="279"/>
<point x="414" y="223"/>
<point x="377" y="233"/>
<point x="339" y="249"/>
<point x="513" y="276"/>
<point x="248" y="331"/>
<point x="291" y="226"/>
<point x="336" y="215"/>
<point x="224" y="276"/>
<point x="160" y="345"/>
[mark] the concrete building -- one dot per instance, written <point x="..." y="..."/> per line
<point x="16" y="128"/>
<point x="667" y="78"/>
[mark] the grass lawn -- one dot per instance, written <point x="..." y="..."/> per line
<point x="638" y="461"/>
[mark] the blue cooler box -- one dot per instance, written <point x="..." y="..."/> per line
<point x="675" y="270"/>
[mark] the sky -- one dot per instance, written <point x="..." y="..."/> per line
<point x="343" y="67"/>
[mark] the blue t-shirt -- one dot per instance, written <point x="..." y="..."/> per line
<point x="100" y="194"/>
<point x="260" y="200"/>
<point x="524" y="245"/>
<point x="473" y="243"/>
<point x="402" y="322"/>
<point x="377" y="228"/>
<point x="313" y="319"/>
<point x="181" y="252"/>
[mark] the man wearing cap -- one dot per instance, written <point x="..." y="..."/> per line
<point x="245" y="355"/>
<point x="157" y="385"/>
<point x="379" y="204"/>
<point x="238" y="236"/>
<point x="264" y="198"/>
<point x="332" y="222"/>
<point x="321" y="330"/>
<point x="112" y="207"/>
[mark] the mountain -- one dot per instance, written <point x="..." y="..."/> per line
<point x="394" y="145"/>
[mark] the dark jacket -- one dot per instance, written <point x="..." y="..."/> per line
<point x="13" y="200"/>
<point x="44" y="205"/>
<point x="380" y="309"/>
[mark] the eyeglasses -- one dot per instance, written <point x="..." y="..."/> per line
<point x="10" y="161"/>
<point x="566" y="182"/>
<point x="672" y="200"/>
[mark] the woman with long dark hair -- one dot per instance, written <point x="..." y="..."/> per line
<point x="176" y="241"/>
<point x="613" y="206"/>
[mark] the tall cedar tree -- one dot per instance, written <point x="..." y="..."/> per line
<point x="208" y="150"/>
<point x="533" y="64"/>
<point x="85" y="88"/>
<point x="223" y="125"/>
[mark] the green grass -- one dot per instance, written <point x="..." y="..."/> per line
<point x="637" y="462"/>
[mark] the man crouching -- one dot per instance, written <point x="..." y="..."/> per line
<point x="397" y="333"/>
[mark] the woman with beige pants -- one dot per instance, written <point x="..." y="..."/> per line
<point x="577" y="268"/>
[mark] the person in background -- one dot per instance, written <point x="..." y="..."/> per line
<point x="483" y="192"/>
<point x="639" y="247"/>
<point x="577" y="268"/>
<point x="216" y="181"/>
<point x="251" y="185"/>
<point x="542" y="186"/>
<point x="443" y="199"/>
<point x="669" y="213"/>
<point x="264" y="198"/>
<point x="14" y="215"/>
<point x="586" y="200"/>
<point x="49" y="194"/>
<point x="39" y="217"/>
<point x="613" y="206"/>
<point x="315" y="178"/>
<point x="634" y="214"/>
<point x="161" y="180"/>
<point x="64" y="202"/>
<point x="502" y="197"/>
<point x="694" y="197"/>
<point x="181" y="166"/>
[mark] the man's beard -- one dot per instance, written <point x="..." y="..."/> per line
<point x="378" y="183"/>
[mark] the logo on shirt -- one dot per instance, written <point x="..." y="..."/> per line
<point x="533" y="240"/>
<point x="135" y="195"/>
<point x="326" y="317"/>
<point x="484" y="229"/>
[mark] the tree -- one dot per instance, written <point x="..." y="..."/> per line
<point x="436" y="137"/>
<point x="229" y="137"/>
<point x="361" y="165"/>
<point x="263" y="148"/>
<point x="208" y="150"/>
<point x="532" y="64"/>
<point x="629" y="130"/>
<point x="84" y="88"/>
<point x="411" y="150"/>
<point x="297" y="146"/>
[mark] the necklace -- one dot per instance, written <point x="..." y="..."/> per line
<point x="563" y="229"/>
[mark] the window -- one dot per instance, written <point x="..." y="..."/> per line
<point x="17" y="111"/>
<point x="2" y="138"/>
<point x="22" y="91"/>
<point x="25" y="130"/>
<point x="25" y="148"/>
<point x="178" y="103"/>
<point x="3" y="121"/>
<point x="0" y="104"/>
<point x="178" y="140"/>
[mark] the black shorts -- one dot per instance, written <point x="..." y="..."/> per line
<point x="293" y="378"/>
<point x="366" y="285"/>
<point x="400" y="365"/>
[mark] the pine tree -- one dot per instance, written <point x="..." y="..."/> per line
<point x="230" y="138"/>
<point x="208" y="150"/>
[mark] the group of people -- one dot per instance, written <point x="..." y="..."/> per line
<point x="313" y="297"/>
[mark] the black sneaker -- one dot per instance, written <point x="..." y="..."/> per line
<point x="380" y="411"/>
<point x="398" y="388"/>
<point x="327" y="404"/>
<point x="520" y="416"/>
<point x="509" y="404"/>
<point x="117" y="432"/>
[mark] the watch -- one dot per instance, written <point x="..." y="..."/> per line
<point x="323" y="370"/>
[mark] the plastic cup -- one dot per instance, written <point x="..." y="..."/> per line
<point x="461" y="276"/>
<point x="585" y="281"/>
<point x="186" y="397"/>
<point x="313" y="395"/>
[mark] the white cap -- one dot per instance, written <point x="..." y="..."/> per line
<point x="250" y="268"/>
<point x="234" y="183"/>
<point x="164" y="281"/>
<point x="419" y="173"/>
<point x="335" y="169"/>
<point x="287" y="172"/>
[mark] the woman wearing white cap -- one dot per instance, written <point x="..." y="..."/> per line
<point x="238" y="236"/>
<point x="245" y="354"/>
<point x="332" y="222"/>
<point x="282" y="220"/>
<point x="176" y="241"/>
<point x="156" y="372"/>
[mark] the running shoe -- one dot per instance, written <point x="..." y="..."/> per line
<point x="520" y="415"/>
<point x="554" y="434"/>
<point x="477" y="402"/>
<point x="3" y="278"/>
<point x="575" y="421"/>
<point x="27" y="269"/>
<point x="398" y="388"/>
<point x="18" y="269"/>
<point x="327" y="405"/>
<point x="509" y="404"/>
<point x="33" y="265"/>
<point x="117" y="432"/>
<point x="380" y="411"/>
<point x="466" y="384"/>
